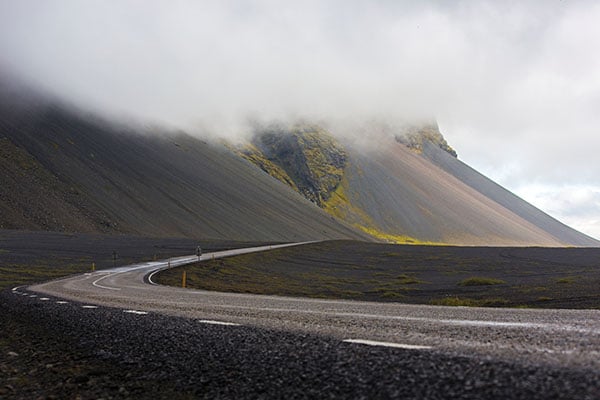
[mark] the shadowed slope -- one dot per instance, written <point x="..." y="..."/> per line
<point x="145" y="184"/>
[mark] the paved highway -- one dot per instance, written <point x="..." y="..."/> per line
<point x="558" y="338"/>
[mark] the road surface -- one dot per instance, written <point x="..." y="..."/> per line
<point x="559" y="338"/>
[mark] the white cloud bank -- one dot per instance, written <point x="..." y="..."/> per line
<point x="515" y="86"/>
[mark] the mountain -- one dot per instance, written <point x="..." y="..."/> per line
<point x="66" y="170"/>
<point x="405" y="185"/>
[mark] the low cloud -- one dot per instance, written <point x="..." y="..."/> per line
<point x="515" y="86"/>
<point x="216" y="62"/>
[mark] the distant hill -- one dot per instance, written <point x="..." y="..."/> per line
<point x="65" y="170"/>
<point x="405" y="186"/>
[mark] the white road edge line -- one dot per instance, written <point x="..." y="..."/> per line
<point x="151" y="275"/>
<point x="387" y="344"/>
<point x="89" y="306"/>
<point x="210" y="322"/>
<point x="95" y="283"/>
<point x="135" y="312"/>
<point x="44" y="299"/>
<point x="62" y="302"/>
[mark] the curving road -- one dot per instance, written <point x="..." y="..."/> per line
<point x="556" y="338"/>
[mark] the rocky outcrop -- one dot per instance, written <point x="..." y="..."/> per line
<point x="415" y="137"/>
<point x="305" y="157"/>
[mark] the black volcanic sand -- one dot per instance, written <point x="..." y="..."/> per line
<point x="67" y="170"/>
<point x="28" y="257"/>
<point x="507" y="277"/>
<point x="62" y="351"/>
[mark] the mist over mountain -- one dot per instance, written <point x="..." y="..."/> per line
<point x="69" y="169"/>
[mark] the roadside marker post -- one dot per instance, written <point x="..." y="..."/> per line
<point x="93" y="266"/>
<point x="183" y="279"/>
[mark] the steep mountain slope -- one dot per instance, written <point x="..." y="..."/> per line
<point x="409" y="187"/>
<point x="507" y="199"/>
<point x="399" y="192"/>
<point x="63" y="170"/>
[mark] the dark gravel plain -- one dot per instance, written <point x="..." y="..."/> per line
<point x="534" y="277"/>
<point x="62" y="351"/>
<point x="105" y="353"/>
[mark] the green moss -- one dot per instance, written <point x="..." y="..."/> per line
<point x="481" y="281"/>
<point x="393" y="238"/>
<point x="567" y="280"/>
<point x="340" y="207"/>
<point x="305" y="157"/>
<point x="251" y="153"/>
<point x="408" y="280"/>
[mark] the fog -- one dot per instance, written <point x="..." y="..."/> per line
<point x="515" y="86"/>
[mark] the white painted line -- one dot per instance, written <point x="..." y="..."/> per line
<point x="33" y="295"/>
<point x="16" y="288"/>
<point x="387" y="344"/>
<point x="89" y="306"/>
<point x="135" y="312"/>
<point x="95" y="283"/>
<point x="210" y="322"/>
<point x="151" y="275"/>
<point x="62" y="302"/>
<point x="44" y="299"/>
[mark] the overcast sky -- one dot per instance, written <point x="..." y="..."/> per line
<point x="514" y="86"/>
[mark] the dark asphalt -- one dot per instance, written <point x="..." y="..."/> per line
<point x="185" y="357"/>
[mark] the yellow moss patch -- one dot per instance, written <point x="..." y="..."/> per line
<point x="252" y="154"/>
<point x="340" y="207"/>
<point x="397" y="239"/>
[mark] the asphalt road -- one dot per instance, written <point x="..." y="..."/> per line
<point x="514" y="339"/>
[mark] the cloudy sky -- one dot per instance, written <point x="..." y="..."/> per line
<point x="514" y="86"/>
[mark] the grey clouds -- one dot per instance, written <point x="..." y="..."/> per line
<point x="515" y="86"/>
